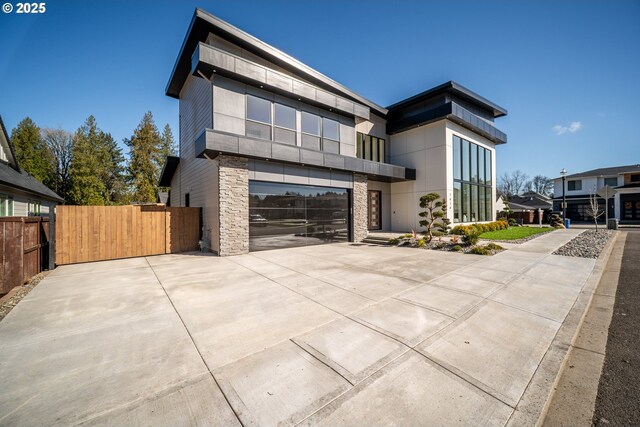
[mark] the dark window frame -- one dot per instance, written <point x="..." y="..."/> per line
<point x="374" y="143"/>
<point x="473" y="187"/>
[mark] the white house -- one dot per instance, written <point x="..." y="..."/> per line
<point x="624" y="205"/>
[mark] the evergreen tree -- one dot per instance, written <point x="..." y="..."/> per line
<point x="145" y="148"/>
<point x="168" y="147"/>
<point x="96" y="170"/>
<point x="32" y="152"/>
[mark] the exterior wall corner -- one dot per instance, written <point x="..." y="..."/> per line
<point x="360" y="214"/>
<point x="233" y="193"/>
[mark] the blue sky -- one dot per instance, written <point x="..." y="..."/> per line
<point x="568" y="72"/>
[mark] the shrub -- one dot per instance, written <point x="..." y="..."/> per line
<point x="434" y="214"/>
<point x="455" y="239"/>
<point x="494" y="247"/>
<point x="393" y="241"/>
<point x="437" y="233"/>
<point x="422" y="243"/>
<point x="471" y="238"/>
<point x="406" y="236"/>
<point x="513" y="222"/>
<point x="480" y="250"/>
<point x="456" y="248"/>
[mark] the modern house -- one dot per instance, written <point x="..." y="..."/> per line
<point x="20" y="193"/>
<point x="278" y="154"/>
<point x="623" y="205"/>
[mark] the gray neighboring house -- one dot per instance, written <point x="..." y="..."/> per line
<point x="20" y="193"/>
<point x="624" y="205"/>
<point x="279" y="155"/>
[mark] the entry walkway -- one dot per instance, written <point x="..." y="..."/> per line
<point x="326" y="335"/>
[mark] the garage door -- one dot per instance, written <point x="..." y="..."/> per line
<point x="289" y="215"/>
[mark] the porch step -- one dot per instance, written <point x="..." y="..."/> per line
<point x="376" y="240"/>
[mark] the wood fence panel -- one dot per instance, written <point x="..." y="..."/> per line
<point x="23" y="250"/>
<point x="95" y="233"/>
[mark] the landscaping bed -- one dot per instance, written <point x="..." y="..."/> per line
<point x="14" y="296"/>
<point x="445" y="243"/>
<point x="588" y="244"/>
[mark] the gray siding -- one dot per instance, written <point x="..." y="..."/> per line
<point x="198" y="177"/>
<point x="293" y="174"/>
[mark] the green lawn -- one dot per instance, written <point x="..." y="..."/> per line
<point x="514" y="233"/>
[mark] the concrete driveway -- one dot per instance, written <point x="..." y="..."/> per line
<point x="332" y="335"/>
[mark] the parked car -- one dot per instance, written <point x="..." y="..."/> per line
<point x="256" y="220"/>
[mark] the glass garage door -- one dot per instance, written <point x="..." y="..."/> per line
<point x="289" y="215"/>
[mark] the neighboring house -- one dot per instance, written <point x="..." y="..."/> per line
<point x="280" y="155"/>
<point x="624" y="205"/>
<point x="20" y="193"/>
<point x="528" y="206"/>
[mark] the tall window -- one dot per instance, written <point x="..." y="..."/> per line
<point x="33" y="208"/>
<point x="284" y="129"/>
<point x="370" y="148"/>
<point x="6" y="206"/>
<point x="472" y="193"/>
<point x="258" y="123"/>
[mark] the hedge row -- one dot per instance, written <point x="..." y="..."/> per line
<point x="462" y="230"/>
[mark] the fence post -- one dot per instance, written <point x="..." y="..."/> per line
<point x="52" y="237"/>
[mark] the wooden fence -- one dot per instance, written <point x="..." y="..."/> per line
<point x="97" y="233"/>
<point x="24" y="250"/>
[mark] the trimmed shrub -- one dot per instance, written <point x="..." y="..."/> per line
<point x="436" y="233"/>
<point x="471" y="238"/>
<point x="493" y="247"/>
<point x="513" y="222"/>
<point x="456" y="248"/>
<point x="422" y="243"/>
<point x="393" y="241"/>
<point x="480" y="250"/>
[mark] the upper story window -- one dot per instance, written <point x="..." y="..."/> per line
<point x="369" y="147"/>
<point x="574" y="185"/>
<point x="634" y="178"/>
<point x="472" y="182"/>
<point x="279" y="122"/>
<point x="613" y="182"/>
<point x="310" y="124"/>
<point x="6" y="206"/>
<point x="258" y="109"/>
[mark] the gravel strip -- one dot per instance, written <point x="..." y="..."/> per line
<point x="21" y="292"/>
<point x="586" y="245"/>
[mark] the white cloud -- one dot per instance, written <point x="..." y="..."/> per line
<point x="572" y="127"/>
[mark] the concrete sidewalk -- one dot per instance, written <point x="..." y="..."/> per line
<point x="336" y="334"/>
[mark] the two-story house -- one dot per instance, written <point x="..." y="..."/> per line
<point x="623" y="205"/>
<point x="279" y="155"/>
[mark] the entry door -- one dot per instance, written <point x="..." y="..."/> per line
<point x="631" y="209"/>
<point x="373" y="202"/>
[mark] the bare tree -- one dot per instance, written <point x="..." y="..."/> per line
<point x="512" y="184"/>
<point x="594" y="210"/>
<point x="60" y="143"/>
<point x="541" y="185"/>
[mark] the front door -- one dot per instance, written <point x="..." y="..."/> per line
<point x="373" y="202"/>
<point x="630" y="208"/>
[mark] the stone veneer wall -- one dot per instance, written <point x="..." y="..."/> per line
<point x="233" y="191"/>
<point x="360" y="210"/>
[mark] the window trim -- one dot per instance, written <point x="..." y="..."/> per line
<point x="574" y="182"/>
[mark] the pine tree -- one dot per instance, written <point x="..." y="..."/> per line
<point x="32" y="152"/>
<point x="96" y="170"/>
<point x="168" y="147"/>
<point x="144" y="151"/>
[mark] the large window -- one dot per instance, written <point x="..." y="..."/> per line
<point x="370" y="148"/>
<point x="472" y="192"/>
<point x="613" y="182"/>
<point x="288" y="215"/>
<point x="279" y="123"/>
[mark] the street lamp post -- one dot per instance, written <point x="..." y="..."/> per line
<point x="563" y="173"/>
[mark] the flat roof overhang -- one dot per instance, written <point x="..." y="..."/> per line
<point x="212" y="143"/>
<point x="207" y="60"/>
<point x="204" y="23"/>
<point x="455" y="113"/>
<point x="455" y="89"/>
